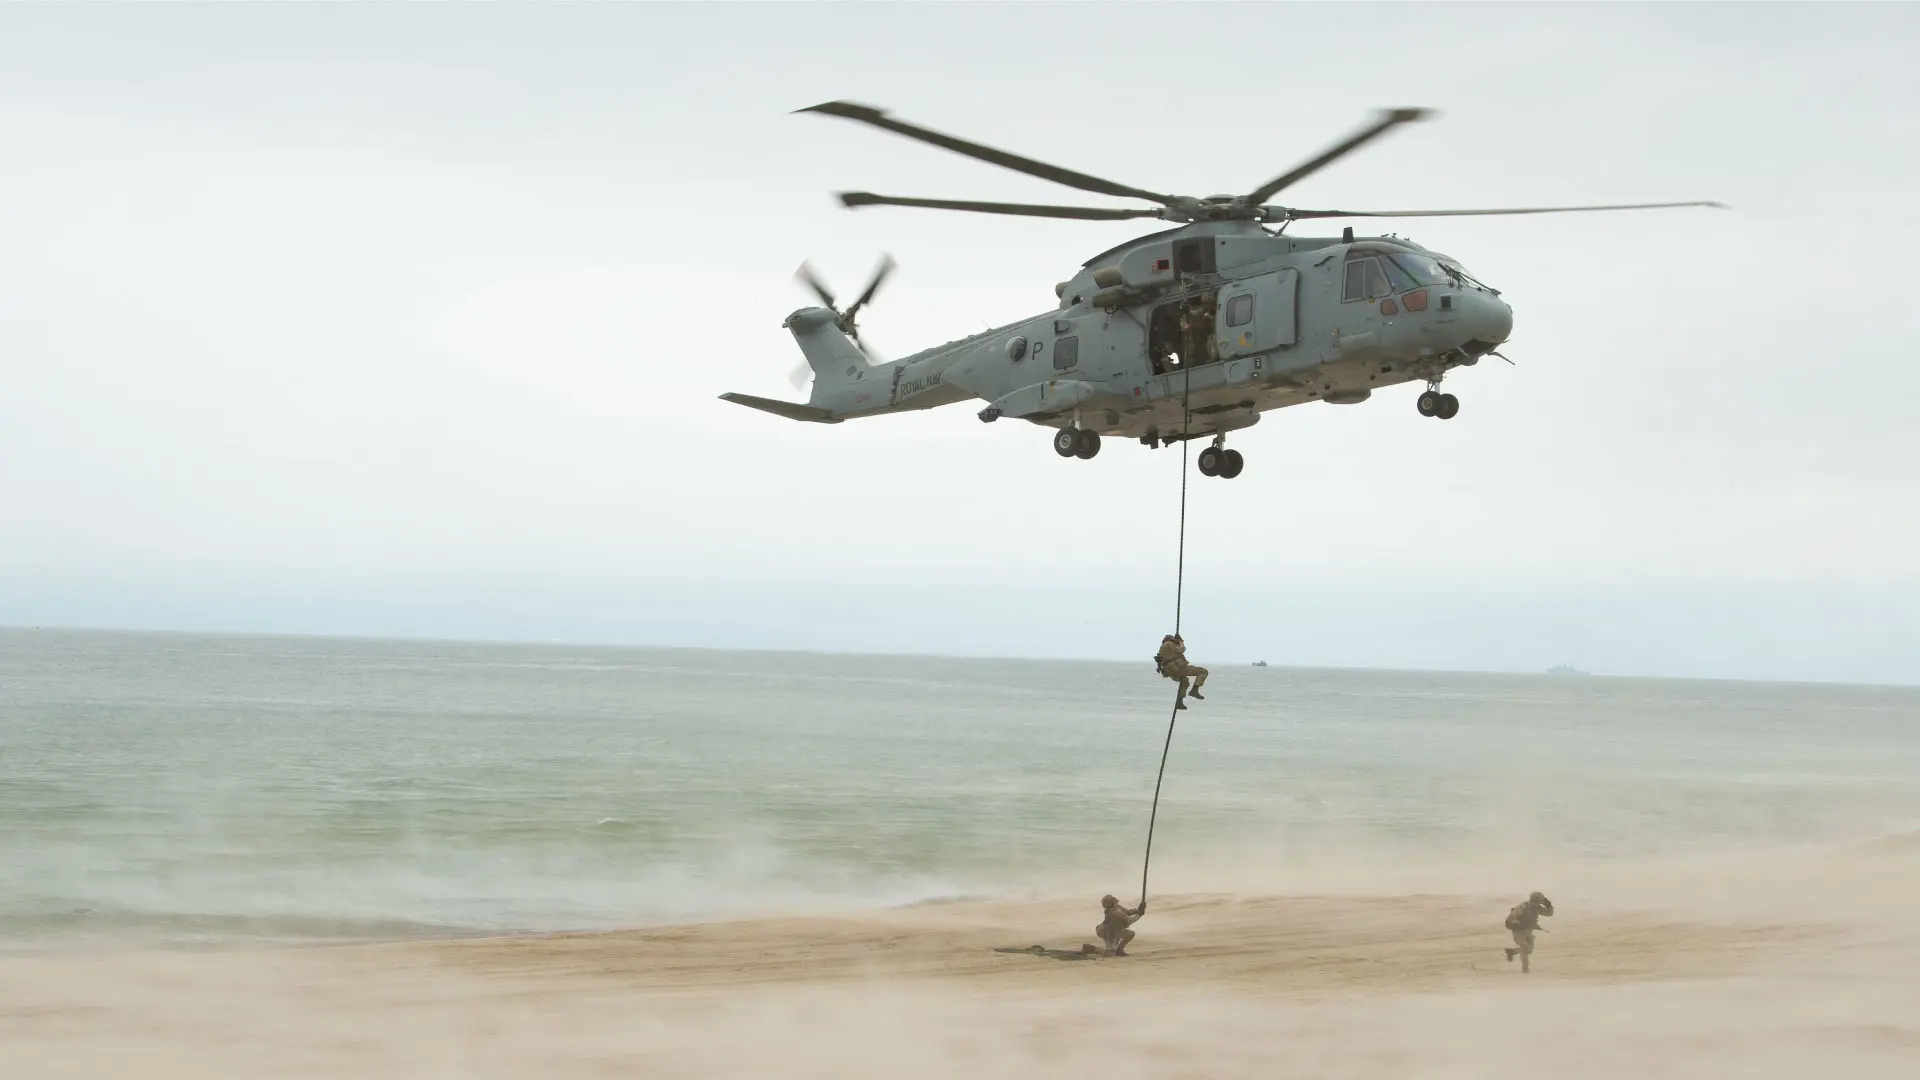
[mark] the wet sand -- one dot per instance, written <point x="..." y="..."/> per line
<point x="1294" y="945"/>
<point x="1786" y="969"/>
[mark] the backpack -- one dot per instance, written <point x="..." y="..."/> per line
<point x="1517" y="918"/>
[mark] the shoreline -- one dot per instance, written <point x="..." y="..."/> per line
<point x="1622" y="884"/>
<point x="1757" y="971"/>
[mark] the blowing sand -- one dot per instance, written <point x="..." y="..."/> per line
<point x="1790" y="967"/>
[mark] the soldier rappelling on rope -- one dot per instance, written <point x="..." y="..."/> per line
<point x="1113" y="930"/>
<point x="1171" y="662"/>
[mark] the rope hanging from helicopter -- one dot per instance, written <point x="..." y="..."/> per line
<point x="1179" y="592"/>
<point x="1197" y="220"/>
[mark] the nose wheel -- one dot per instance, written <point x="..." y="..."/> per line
<point x="1076" y="442"/>
<point x="1222" y="462"/>
<point x="1436" y="404"/>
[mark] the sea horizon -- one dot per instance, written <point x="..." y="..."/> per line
<point x="1256" y="661"/>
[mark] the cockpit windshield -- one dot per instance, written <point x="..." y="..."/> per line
<point x="1420" y="269"/>
<point x="1411" y="270"/>
<point x="1455" y="269"/>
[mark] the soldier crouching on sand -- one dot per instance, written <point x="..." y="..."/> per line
<point x="1171" y="662"/>
<point x="1523" y="920"/>
<point x="1113" y="930"/>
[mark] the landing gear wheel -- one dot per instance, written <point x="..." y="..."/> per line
<point x="1066" y="441"/>
<point x="1230" y="465"/>
<point x="1089" y="444"/>
<point x="1210" y="461"/>
<point x="1429" y="403"/>
<point x="1449" y="406"/>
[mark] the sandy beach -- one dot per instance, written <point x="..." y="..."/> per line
<point x="1776" y="967"/>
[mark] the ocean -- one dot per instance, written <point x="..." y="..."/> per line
<point x="203" y="790"/>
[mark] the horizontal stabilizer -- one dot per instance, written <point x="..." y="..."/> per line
<point x="789" y="409"/>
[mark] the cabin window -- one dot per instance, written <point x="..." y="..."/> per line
<point x="1066" y="352"/>
<point x="1240" y="310"/>
<point x="1194" y="255"/>
<point x="1365" y="280"/>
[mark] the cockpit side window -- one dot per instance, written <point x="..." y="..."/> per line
<point x="1365" y="280"/>
<point x="1356" y="280"/>
<point x="1377" y="285"/>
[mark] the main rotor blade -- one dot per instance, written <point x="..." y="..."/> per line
<point x="806" y="275"/>
<point x="1302" y="215"/>
<point x="879" y="275"/>
<point x="852" y="199"/>
<point x="867" y="114"/>
<point x="1384" y="121"/>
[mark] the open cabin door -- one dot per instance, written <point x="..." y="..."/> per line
<point x="1256" y="315"/>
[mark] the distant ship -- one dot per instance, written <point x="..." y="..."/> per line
<point x="1259" y="663"/>
<point x="1564" y="669"/>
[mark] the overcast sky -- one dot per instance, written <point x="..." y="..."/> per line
<point x="410" y="320"/>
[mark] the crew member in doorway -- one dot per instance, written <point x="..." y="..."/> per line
<point x="1113" y="931"/>
<point x="1192" y="337"/>
<point x="1196" y="333"/>
<point x="1524" y="920"/>
<point x="1171" y="661"/>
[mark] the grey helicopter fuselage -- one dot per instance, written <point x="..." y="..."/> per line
<point x="1190" y="332"/>
<point x="1270" y="321"/>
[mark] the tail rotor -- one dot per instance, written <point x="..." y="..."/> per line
<point x="847" y="326"/>
<point x="803" y="374"/>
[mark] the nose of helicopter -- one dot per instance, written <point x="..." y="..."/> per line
<point x="1488" y="323"/>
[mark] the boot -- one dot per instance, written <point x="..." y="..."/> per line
<point x="1180" y="704"/>
<point x="1196" y="695"/>
<point x="1511" y="953"/>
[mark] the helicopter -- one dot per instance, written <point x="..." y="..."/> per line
<point x="1188" y="333"/>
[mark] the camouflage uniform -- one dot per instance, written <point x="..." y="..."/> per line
<point x="1196" y="333"/>
<point x="1524" y="920"/>
<point x="1171" y="661"/>
<point x="1113" y="930"/>
<point x="1193" y="339"/>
